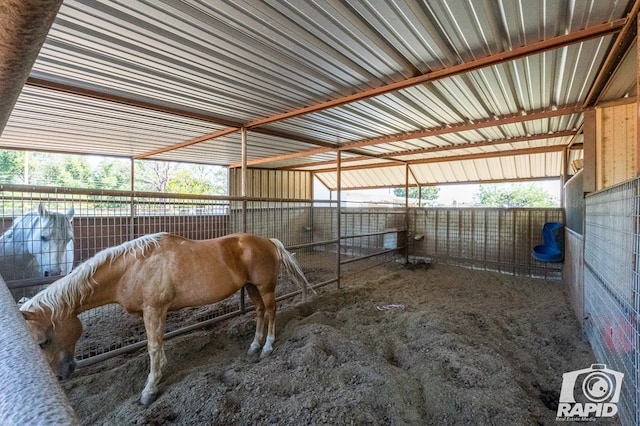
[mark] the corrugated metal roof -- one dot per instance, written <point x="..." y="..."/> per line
<point x="141" y="78"/>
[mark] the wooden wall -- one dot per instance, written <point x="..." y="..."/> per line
<point x="611" y="149"/>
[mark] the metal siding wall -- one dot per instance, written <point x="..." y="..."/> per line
<point x="611" y="287"/>
<point x="574" y="202"/>
<point x="573" y="271"/>
<point x="262" y="183"/>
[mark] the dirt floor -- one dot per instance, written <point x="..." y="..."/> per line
<point x="427" y="344"/>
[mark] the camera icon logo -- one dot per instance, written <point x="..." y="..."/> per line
<point x="591" y="392"/>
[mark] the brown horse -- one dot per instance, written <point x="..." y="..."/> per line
<point x="154" y="274"/>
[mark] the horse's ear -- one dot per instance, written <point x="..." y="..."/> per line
<point x="70" y="213"/>
<point x="41" y="210"/>
<point x="28" y="315"/>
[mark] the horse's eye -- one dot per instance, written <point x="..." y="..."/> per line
<point x="44" y="238"/>
<point x="44" y="343"/>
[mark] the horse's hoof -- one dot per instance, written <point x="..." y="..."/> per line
<point x="265" y="353"/>
<point x="146" y="400"/>
<point x="252" y="356"/>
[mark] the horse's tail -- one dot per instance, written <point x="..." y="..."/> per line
<point x="292" y="268"/>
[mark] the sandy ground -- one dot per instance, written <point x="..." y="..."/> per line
<point x="395" y="346"/>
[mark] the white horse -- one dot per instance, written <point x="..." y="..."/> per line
<point x="38" y="244"/>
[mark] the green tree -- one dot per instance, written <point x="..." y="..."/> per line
<point x="153" y="175"/>
<point x="160" y="176"/>
<point x="513" y="195"/>
<point x="184" y="182"/>
<point x="112" y="174"/>
<point x="11" y="166"/>
<point x="429" y="194"/>
<point x="59" y="170"/>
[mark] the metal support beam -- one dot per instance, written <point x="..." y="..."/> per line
<point x="132" y="212"/>
<point x="243" y="194"/>
<point x="517" y="53"/>
<point x="513" y="152"/>
<point x="624" y="39"/>
<point x="595" y="31"/>
<point x="243" y="156"/>
<point x="454" y="128"/>
<point x="339" y="210"/>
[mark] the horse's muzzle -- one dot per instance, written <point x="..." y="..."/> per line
<point x="52" y="272"/>
<point x="66" y="369"/>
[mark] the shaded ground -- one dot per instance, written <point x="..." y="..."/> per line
<point x="394" y="346"/>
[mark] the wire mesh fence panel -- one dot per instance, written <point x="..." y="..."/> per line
<point x="612" y="286"/>
<point x="195" y="218"/>
<point x="494" y="239"/>
<point x="366" y="237"/>
<point x="36" y="241"/>
<point x="108" y="218"/>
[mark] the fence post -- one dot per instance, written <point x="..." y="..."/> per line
<point x="29" y="391"/>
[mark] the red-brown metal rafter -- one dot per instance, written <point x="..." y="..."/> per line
<point x="446" y="148"/>
<point x="480" y="124"/>
<point x="190" y="142"/>
<point x="423" y="133"/>
<point x="478" y="156"/>
<point x="624" y="39"/>
<point x="527" y="50"/>
<point x="531" y="49"/>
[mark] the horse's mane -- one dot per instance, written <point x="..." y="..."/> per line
<point x="26" y="222"/>
<point x="65" y="294"/>
<point x="18" y="226"/>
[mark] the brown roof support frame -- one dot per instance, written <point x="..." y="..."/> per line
<point x="423" y="133"/>
<point x="448" y="148"/>
<point x="534" y="48"/>
<point x="478" y="156"/>
<point x="556" y="42"/>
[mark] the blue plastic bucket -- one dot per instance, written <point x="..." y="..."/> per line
<point x="553" y="235"/>
<point x="545" y="253"/>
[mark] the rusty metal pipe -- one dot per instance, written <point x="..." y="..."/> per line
<point x="24" y="25"/>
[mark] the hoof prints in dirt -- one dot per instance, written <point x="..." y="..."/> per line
<point x="468" y="347"/>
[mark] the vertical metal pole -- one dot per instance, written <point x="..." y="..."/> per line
<point x="406" y="185"/>
<point x="243" y="194"/>
<point x="312" y="196"/>
<point x="132" y="212"/>
<point x="563" y="175"/>
<point x="406" y="213"/>
<point x="339" y="210"/>
<point x="243" y="169"/>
